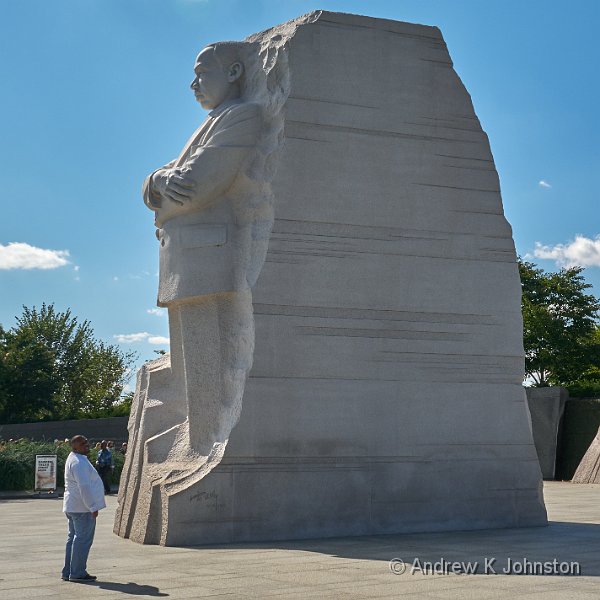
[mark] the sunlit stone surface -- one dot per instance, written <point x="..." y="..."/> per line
<point x="385" y="393"/>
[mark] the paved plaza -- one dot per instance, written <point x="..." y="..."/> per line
<point x="33" y="531"/>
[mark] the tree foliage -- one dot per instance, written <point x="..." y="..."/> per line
<point x="52" y="367"/>
<point x="560" y="327"/>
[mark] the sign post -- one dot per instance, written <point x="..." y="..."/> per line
<point x="45" y="472"/>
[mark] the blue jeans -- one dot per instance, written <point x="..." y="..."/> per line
<point x="79" y="542"/>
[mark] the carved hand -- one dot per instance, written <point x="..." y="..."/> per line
<point x="173" y="185"/>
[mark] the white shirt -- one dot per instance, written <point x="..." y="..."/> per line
<point x="84" y="490"/>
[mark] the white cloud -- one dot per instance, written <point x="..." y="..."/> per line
<point x="157" y="312"/>
<point x="18" y="255"/>
<point x="131" y="338"/>
<point x="76" y="268"/>
<point x="142" y="336"/>
<point x="582" y="251"/>
<point x="544" y="184"/>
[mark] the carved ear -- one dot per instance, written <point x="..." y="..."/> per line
<point x="235" y="71"/>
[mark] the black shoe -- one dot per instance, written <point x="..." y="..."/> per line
<point x="86" y="578"/>
<point x="64" y="578"/>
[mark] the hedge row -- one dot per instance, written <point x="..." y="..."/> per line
<point x="17" y="463"/>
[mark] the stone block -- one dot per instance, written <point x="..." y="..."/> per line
<point x="386" y="389"/>
<point x="546" y="406"/>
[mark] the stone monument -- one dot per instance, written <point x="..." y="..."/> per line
<point x="354" y="288"/>
<point x="588" y="470"/>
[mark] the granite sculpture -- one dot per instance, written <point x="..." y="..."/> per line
<point x="386" y="365"/>
<point x="588" y="470"/>
<point x="214" y="212"/>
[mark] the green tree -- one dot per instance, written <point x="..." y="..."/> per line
<point x="52" y="367"/>
<point x="588" y="384"/>
<point x="27" y="379"/>
<point x="560" y="326"/>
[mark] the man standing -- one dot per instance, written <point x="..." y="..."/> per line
<point x="105" y="465"/>
<point x="84" y="497"/>
<point x="214" y="219"/>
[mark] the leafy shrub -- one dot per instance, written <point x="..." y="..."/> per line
<point x="17" y="463"/>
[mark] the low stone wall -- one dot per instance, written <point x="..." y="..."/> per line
<point x="581" y="421"/>
<point x="563" y="429"/>
<point x="546" y="406"/>
<point x="112" y="428"/>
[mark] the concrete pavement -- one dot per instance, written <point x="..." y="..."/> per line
<point x="33" y="531"/>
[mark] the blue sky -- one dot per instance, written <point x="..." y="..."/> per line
<point x="95" y="96"/>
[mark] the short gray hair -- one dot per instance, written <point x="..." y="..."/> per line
<point x="228" y="53"/>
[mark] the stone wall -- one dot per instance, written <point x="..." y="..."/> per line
<point x="581" y="421"/>
<point x="546" y="406"/>
<point x="112" y="428"/>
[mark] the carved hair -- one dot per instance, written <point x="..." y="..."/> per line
<point x="264" y="79"/>
<point x="228" y="53"/>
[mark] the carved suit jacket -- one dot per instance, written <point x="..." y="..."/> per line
<point x="211" y="244"/>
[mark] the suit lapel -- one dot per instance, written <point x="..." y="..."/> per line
<point x="194" y="140"/>
<point x="203" y="132"/>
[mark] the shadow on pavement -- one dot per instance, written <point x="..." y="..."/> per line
<point x="130" y="588"/>
<point x="575" y="546"/>
<point x="520" y="551"/>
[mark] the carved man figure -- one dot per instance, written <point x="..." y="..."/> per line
<point x="212" y="224"/>
<point x="214" y="214"/>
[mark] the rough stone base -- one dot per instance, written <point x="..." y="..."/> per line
<point x="300" y="468"/>
<point x="276" y="501"/>
<point x="588" y="470"/>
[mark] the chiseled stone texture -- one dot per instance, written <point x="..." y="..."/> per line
<point x="385" y="394"/>
<point x="546" y="406"/>
<point x="588" y="470"/>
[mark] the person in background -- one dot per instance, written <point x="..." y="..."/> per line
<point x="97" y="446"/>
<point x="123" y="449"/>
<point x="82" y="500"/>
<point x="105" y="465"/>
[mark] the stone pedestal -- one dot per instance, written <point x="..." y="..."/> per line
<point x="386" y="390"/>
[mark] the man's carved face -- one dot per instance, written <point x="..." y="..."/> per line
<point x="214" y="83"/>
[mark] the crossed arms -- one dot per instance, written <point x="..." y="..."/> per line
<point x="208" y="169"/>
